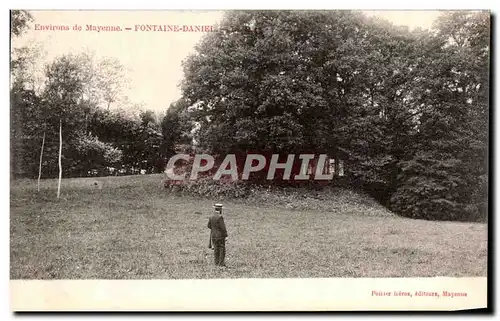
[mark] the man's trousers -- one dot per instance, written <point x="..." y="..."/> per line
<point x="219" y="251"/>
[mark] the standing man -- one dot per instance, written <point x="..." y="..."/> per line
<point x="218" y="235"/>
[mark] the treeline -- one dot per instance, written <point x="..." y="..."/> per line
<point x="102" y="132"/>
<point x="407" y="111"/>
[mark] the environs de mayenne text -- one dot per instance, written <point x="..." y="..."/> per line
<point x="137" y="27"/>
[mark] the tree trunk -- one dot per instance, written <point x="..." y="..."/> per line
<point x="60" y="155"/>
<point x="40" y="165"/>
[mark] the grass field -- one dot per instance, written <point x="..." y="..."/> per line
<point x="131" y="228"/>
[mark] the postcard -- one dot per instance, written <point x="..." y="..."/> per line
<point x="249" y="160"/>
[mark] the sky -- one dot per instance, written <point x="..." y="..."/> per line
<point x="152" y="60"/>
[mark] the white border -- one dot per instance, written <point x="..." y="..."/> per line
<point x="256" y="4"/>
<point x="230" y="295"/>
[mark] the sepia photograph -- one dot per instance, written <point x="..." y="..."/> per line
<point x="250" y="145"/>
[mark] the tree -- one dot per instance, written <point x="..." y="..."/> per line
<point x="88" y="153"/>
<point x="304" y="81"/>
<point x="407" y="110"/>
<point x="64" y="87"/>
<point x="40" y="163"/>
<point x="251" y="84"/>
<point x="19" y="21"/>
<point x="26" y="67"/>
<point x="370" y="123"/>
<point x="151" y="155"/>
<point x="26" y="75"/>
<point x="176" y="128"/>
<point x="27" y="127"/>
<point x="137" y="136"/>
<point x="103" y="79"/>
<point x="112" y="80"/>
<point x="26" y="119"/>
<point x="447" y="177"/>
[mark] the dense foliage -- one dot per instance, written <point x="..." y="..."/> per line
<point x="77" y="92"/>
<point x="407" y="110"/>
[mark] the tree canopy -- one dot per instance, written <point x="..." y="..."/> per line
<point x="407" y="110"/>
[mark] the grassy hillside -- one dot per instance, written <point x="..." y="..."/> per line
<point x="130" y="228"/>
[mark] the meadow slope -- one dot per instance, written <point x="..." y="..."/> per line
<point x="131" y="228"/>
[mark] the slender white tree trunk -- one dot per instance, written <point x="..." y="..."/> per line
<point x="40" y="165"/>
<point x="60" y="153"/>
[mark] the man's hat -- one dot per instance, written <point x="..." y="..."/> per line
<point x="218" y="206"/>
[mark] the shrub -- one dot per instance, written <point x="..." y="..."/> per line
<point x="207" y="187"/>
